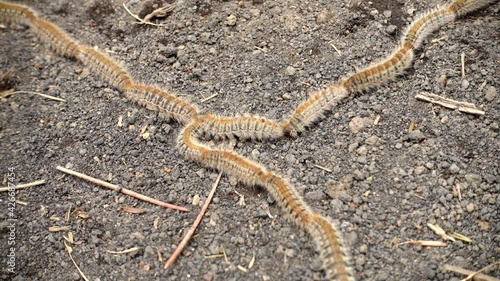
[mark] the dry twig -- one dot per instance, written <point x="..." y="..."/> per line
<point x="20" y="186"/>
<point x="121" y="189"/>
<point x="465" y="107"/>
<point x="160" y="12"/>
<point x="193" y="227"/>
<point x="70" y="250"/>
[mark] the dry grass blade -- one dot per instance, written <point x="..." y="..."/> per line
<point x="426" y="243"/>
<point x="127" y="251"/>
<point x="439" y="231"/>
<point x="208" y="98"/>
<point x="193" y="227"/>
<point x="160" y="12"/>
<point x="34" y="93"/>
<point x="323" y="168"/>
<point x="133" y="210"/>
<point x="141" y="21"/>
<point x="465" y="107"/>
<point x="252" y="261"/>
<point x="58" y="228"/>
<point x="122" y="190"/>
<point x="20" y="186"/>
<point x="477" y="276"/>
<point x="70" y="250"/>
<point x="461" y="237"/>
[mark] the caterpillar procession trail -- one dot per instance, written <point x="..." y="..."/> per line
<point x="192" y="140"/>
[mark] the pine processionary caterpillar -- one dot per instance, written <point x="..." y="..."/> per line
<point x="106" y="67"/>
<point x="162" y="101"/>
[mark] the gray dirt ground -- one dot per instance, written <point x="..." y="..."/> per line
<point x="265" y="63"/>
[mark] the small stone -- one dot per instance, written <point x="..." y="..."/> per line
<point x="315" y="195"/>
<point x="387" y="13"/>
<point x="196" y="200"/>
<point x="360" y="260"/>
<point x="429" y="165"/>
<point x="391" y="29"/>
<point x="208" y="277"/>
<point x="454" y="169"/>
<point x="373" y="140"/>
<point x="490" y="93"/>
<point x="233" y="181"/>
<point x="465" y="84"/>
<point x="358" y="123"/>
<point x="353" y="146"/>
<point x="416" y="135"/>
<point x="442" y="81"/>
<point x="363" y="249"/>
<point x="231" y="20"/>
<point x="290" y="71"/>
<point x="290" y="253"/>
<point x="362" y="150"/>
<point x="290" y="159"/>
<point x="473" y="179"/>
<point x="324" y="17"/>
<point x="420" y="170"/>
<point x="470" y="207"/>
<point x="358" y="175"/>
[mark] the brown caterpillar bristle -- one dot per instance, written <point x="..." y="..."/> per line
<point x="167" y="104"/>
<point x="105" y="67"/>
<point x="14" y="13"/>
<point x="244" y="127"/>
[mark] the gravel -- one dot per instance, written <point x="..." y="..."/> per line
<point x="260" y="57"/>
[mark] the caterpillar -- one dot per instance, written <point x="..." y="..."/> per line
<point x="334" y="254"/>
<point x="387" y="69"/>
<point x="324" y="233"/>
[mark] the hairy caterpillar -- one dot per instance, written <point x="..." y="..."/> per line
<point x="385" y="70"/>
<point x="324" y="233"/>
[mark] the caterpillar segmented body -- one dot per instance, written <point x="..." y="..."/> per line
<point x="105" y="67"/>
<point x="169" y="105"/>
<point x="244" y="127"/>
<point x="334" y="254"/>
